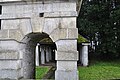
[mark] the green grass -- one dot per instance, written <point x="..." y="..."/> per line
<point x="100" y="70"/>
<point x="41" y="71"/>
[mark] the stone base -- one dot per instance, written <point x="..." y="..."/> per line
<point x="66" y="75"/>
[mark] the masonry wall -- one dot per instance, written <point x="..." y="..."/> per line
<point x="19" y="19"/>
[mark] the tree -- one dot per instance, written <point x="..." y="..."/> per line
<point x="99" y="22"/>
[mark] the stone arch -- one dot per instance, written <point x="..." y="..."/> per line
<point x="27" y="49"/>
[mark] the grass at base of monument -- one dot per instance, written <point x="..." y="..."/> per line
<point x="41" y="71"/>
<point x="100" y="70"/>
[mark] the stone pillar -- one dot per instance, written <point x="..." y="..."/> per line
<point x="10" y="60"/>
<point x="66" y="56"/>
<point x="28" y="63"/>
<point x="84" y="54"/>
<point x="37" y="55"/>
<point x="47" y="54"/>
<point x="42" y="55"/>
<point x="80" y="51"/>
<point x="50" y="54"/>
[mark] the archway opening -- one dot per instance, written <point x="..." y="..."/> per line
<point x="39" y="52"/>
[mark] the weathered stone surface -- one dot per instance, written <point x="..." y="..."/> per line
<point x="66" y="75"/>
<point x="10" y="74"/>
<point x="50" y="24"/>
<point x="15" y="34"/>
<point x="10" y="64"/>
<point x="66" y="55"/>
<point x="59" y="33"/>
<point x="9" y="45"/>
<point x="60" y="14"/>
<point x="54" y="17"/>
<point x="84" y="54"/>
<point x="28" y="61"/>
<point x="37" y="24"/>
<point x="72" y="33"/>
<point x="10" y="24"/>
<point x="34" y="7"/>
<point x="64" y="6"/>
<point x="3" y="32"/>
<point x="69" y="22"/>
<point x="12" y="16"/>
<point x="61" y="23"/>
<point x="25" y="26"/>
<point x="42" y="55"/>
<point x="66" y="65"/>
<point x="66" y="45"/>
<point x="8" y="9"/>
<point x="9" y="0"/>
<point x="64" y="33"/>
<point x="38" y="8"/>
<point x="9" y="55"/>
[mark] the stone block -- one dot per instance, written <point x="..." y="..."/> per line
<point x="65" y="6"/>
<point x="66" y="75"/>
<point x="10" y="24"/>
<point x="20" y="55"/>
<point x="25" y="26"/>
<point x="47" y="7"/>
<point x="19" y="9"/>
<point x="10" y="74"/>
<point x="66" y="65"/>
<point x="66" y="45"/>
<point x="37" y="24"/>
<point x="27" y="8"/>
<point x="9" y="45"/>
<point x="9" y="55"/>
<point x="68" y="55"/>
<point x="59" y="33"/>
<point x="15" y="34"/>
<point x="38" y="8"/>
<point x="10" y="64"/>
<point x="64" y="33"/>
<point x="68" y="22"/>
<point x="3" y="34"/>
<point x="50" y="24"/>
<point x="8" y="9"/>
<point x="72" y="33"/>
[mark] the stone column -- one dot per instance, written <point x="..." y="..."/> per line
<point x="80" y="51"/>
<point x="47" y="54"/>
<point x="66" y="56"/>
<point x="84" y="54"/>
<point x="50" y="54"/>
<point x="42" y="55"/>
<point x="37" y="55"/>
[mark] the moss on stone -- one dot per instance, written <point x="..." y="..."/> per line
<point x="81" y="39"/>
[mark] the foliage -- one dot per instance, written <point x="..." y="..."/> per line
<point x="46" y="40"/>
<point x="100" y="71"/>
<point x="99" y="21"/>
<point x="41" y="71"/>
<point x="81" y="39"/>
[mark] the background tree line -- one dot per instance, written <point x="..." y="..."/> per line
<point x="99" y="22"/>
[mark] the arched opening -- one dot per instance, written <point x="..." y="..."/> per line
<point x="38" y="50"/>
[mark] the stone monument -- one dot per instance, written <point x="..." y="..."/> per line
<point x="23" y="23"/>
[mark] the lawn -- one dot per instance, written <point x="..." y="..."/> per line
<point x="100" y="70"/>
<point x="41" y="71"/>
